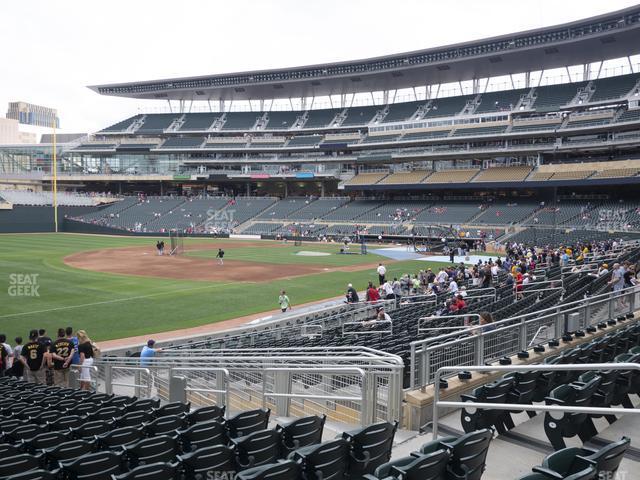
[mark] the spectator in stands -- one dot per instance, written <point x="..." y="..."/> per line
<point x="602" y="270"/>
<point x="148" y="352"/>
<point x="8" y="363"/>
<point x="518" y="278"/>
<point x="382" y="315"/>
<point x="630" y="276"/>
<point x="415" y="284"/>
<point x="382" y="271"/>
<point x="18" y="367"/>
<point x="47" y="364"/>
<point x="486" y="322"/>
<point x="485" y="277"/>
<point x="75" y="360"/>
<point x="85" y="348"/>
<point x="3" y="360"/>
<point x="442" y="276"/>
<point x="43" y="338"/>
<point x="62" y="351"/>
<point x="397" y="288"/>
<point x="352" y="294"/>
<point x="453" y="286"/>
<point x="458" y="303"/>
<point x="388" y="290"/>
<point x="617" y="277"/>
<point x="430" y="276"/>
<point x="494" y="269"/>
<point x="372" y="293"/>
<point x="33" y="359"/>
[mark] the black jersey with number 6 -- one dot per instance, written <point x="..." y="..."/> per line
<point x="33" y="352"/>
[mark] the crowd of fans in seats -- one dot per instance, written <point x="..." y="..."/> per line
<point x="515" y="269"/>
<point x="47" y="360"/>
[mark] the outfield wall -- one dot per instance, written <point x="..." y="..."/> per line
<point x="23" y="219"/>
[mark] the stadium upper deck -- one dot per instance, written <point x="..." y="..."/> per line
<point x="607" y="36"/>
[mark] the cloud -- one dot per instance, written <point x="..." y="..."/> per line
<point x="53" y="50"/>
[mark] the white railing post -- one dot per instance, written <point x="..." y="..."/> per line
<point x="523" y="335"/>
<point x="282" y="384"/>
<point x="108" y="379"/>
<point x="479" y="350"/>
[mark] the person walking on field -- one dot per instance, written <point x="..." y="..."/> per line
<point x="382" y="271"/>
<point x="284" y="301"/>
<point x="220" y="256"/>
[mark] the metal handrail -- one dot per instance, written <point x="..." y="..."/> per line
<point x="554" y="309"/>
<point x="522" y="292"/>
<point x="145" y="370"/>
<point x="423" y="347"/>
<point x="329" y="370"/>
<point x="465" y="317"/>
<point x="307" y="331"/>
<point x="368" y="324"/>
<point x="225" y="382"/>
<point x="517" y="406"/>
<point x="278" y="325"/>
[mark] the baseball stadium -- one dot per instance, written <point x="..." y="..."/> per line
<point x="418" y="266"/>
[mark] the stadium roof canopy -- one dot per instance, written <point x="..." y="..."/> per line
<point x="604" y="37"/>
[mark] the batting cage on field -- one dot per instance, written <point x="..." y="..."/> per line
<point x="176" y="240"/>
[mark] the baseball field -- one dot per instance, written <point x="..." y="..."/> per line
<point x="117" y="287"/>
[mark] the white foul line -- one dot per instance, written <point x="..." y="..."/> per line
<point x="117" y="300"/>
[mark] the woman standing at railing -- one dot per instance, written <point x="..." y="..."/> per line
<point x="85" y="349"/>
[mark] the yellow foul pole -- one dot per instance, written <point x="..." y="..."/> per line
<point x="55" y="179"/>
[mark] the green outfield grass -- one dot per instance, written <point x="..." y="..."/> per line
<point x="112" y="306"/>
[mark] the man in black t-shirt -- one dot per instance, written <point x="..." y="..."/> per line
<point x="43" y="338"/>
<point x="32" y="358"/>
<point x="3" y="360"/>
<point x="62" y="352"/>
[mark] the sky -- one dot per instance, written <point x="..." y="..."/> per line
<point x="51" y="50"/>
